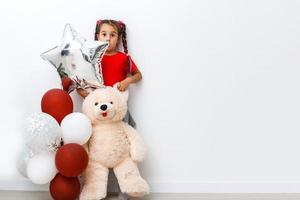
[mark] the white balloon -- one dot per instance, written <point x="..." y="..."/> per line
<point x="76" y="128"/>
<point x="23" y="157"/>
<point x="41" y="168"/>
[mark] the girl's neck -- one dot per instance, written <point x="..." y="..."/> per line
<point x="111" y="53"/>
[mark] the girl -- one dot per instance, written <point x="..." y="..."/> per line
<point x="116" y="65"/>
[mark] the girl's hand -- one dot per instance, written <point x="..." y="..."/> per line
<point x="82" y="92"/>
<point x="136" y="76"/>
<point x="123" y="85"/>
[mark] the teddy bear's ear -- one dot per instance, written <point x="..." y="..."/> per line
<point x="124" y="94"/>
<point x="115" y="86"/>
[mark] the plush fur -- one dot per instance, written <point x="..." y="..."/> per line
<point x="113" y="144"/>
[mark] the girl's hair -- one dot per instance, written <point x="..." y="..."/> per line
<point x="119" y="25"/>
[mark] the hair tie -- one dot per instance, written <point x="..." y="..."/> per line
<point x="99" y="22"/>
<point x="121" y="23"/>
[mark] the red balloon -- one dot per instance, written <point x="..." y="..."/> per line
<point x="71" y="160"/>
<point x="57" y="103"/>
<point x="64" y="188"/>
<point x="66" y="83"/>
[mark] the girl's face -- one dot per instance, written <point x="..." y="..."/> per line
<point x="109" y="34"/>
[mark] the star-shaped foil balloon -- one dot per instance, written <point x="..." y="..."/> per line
<point x="78" y="59"/>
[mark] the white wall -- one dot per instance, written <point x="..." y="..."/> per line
<point x="219" y="105"/>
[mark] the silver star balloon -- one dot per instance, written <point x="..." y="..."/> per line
<point x="78" y="58"/>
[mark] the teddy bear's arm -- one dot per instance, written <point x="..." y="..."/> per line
<point x="137" y="146"/>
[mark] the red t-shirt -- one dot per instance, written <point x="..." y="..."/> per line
<point x="116" y="67"/>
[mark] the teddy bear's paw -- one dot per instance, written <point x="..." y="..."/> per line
<point x="136" y="187"/>
<point x="91" y="194"/>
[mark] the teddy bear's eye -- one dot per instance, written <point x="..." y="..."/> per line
<point x="111" y="102"/>
<point x="96" y="103"/>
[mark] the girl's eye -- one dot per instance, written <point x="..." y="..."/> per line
<point x="104" y="34"/>
<point x="111" y="102"/>
<point x="96" y="103"/>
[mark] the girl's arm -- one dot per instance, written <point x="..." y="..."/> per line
<point x="135" y="77"/>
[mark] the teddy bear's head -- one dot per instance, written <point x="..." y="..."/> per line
<point x="105" y="104"/>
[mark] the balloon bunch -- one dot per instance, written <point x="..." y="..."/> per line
<point x="53" y="150"/>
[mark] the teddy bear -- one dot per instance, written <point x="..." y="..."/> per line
<point x="113" y="145"/>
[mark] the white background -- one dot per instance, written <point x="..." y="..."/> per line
<point x="219" y="103"/>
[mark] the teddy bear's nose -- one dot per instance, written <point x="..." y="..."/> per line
<point x="103" y="107"/>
